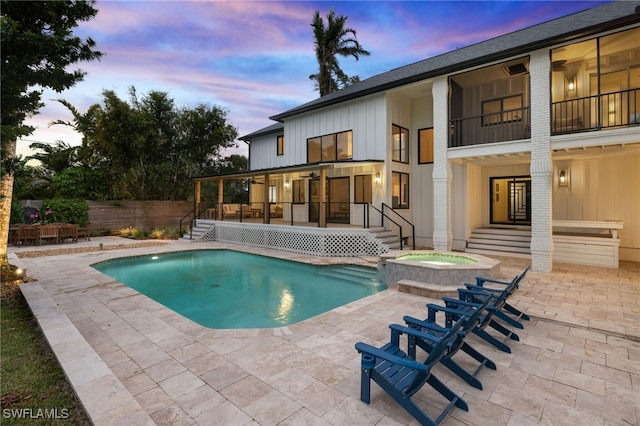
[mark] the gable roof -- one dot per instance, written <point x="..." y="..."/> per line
<point x="577" y="25"/>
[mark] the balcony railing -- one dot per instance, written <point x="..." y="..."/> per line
<point x="597" y="112"/>
<point x="500" y="126"/>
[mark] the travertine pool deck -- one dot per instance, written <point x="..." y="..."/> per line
<point x="133" y="361"/>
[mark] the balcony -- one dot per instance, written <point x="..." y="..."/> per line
<point x="500" y="126"/>
<point x="596" y="112"/>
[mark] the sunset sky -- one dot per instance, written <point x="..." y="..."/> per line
<point x="254" y="58"/>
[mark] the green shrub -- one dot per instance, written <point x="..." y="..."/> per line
<point x="129" y="231"/>
<point x="164" y="234"/>
<point x="17" y="212"/>
<point x="65" y="210"/>
<point x="140" y="234"/>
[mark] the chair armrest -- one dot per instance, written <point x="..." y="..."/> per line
<point x="364" y="348"/>
<point x="480" y="289"/>
<point x="450" y="300"/>
<point x="481" y="280"/>
<point x="446" y="309"/>
<point x="414" y="333"/>
<point x="425" y="324"/>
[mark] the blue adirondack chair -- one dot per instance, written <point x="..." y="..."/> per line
<point x="466" y="306"/>
<point x="401" y="376"/>
<point x="430" y="327"/>
<point x="494" y="287"/>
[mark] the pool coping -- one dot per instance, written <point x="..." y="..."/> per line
<point x="102" y="394"/>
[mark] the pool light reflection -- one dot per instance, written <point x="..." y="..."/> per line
<point x="286" y="304"/>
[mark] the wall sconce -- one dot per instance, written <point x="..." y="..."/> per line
<point x="286" y="184"/>
<point x="563" y="178"/>
<point x="571" y="84"/>
<point x="377" y="179"/>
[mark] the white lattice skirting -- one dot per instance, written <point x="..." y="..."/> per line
<point x="299" y="239"/>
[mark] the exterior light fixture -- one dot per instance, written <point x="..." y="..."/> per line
<point x="378" y="179"/>
<point x="286" y="184"/>
<point x="571" y="84"/>
<point x="563" y="179"/>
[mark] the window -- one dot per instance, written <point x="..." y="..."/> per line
<point x="502" y="110"/>
<point x="280" y="145"/>
<point x="400" y="190"/>
<point x="425" y="146"/>
<point x="400" y="138"/>
<point x="273" y="194"/>
<point x="332" y="147"/>
<point x="298" y="191"/>
<point x="362" y="189"/>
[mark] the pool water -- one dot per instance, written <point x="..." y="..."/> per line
<point x="229" y="289"/>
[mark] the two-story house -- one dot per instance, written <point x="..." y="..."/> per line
<point x="531" y="137"/>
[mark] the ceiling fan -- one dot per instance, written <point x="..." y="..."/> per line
<point x="559" y="65"/>
<point x="253" y="181"/>
<point x="311" y="175"/>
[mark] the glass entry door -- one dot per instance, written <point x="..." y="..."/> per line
<point x="338" y="208"/>
<point x="511" y="200"/>
<point x="314" y="200"/>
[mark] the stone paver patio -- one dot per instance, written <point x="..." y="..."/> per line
<point x="133" y="361"/>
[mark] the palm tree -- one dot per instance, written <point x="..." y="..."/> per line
<point x="333" y="40"/>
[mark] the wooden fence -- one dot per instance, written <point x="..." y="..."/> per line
<point x="145" y="215"/>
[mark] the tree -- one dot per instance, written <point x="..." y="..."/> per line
<point x="331" y="41"/>
<point x="38" y="50"/>
<point x="145" y="148"/>
<point x="54" y="158"/>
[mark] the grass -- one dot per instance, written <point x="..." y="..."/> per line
<point x="33" y="384"/>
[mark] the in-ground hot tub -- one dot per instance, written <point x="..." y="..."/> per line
<point x="435" y="268"/>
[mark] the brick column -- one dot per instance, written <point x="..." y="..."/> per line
<point x="541" y="166"/>
<point x="442" y="235"/>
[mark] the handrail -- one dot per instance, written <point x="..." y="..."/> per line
<point x="413" y="227"/>
<point x="190" y="220"/>
<point x="396" y="223"/>
<point x="194" y="216"/>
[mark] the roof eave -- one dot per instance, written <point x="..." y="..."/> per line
<point x="496" y="56"/>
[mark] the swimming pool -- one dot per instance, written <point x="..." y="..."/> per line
<point x="230" y="289"/>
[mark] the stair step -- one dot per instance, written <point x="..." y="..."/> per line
<point x="433" y="291"/>
<point x="497" y="247"/>
<point x="502" y="231"/>
<point x="509" y="243"/>
<point x="500" y="241"/>
<point x="498" y="253"/>
<point x="354" y="274"/>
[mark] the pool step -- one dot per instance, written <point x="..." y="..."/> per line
<point x="433" y="291"/>
<point x="356" y="274"/>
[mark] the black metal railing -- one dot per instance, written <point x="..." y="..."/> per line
<point x="386" y="207"/>
<point x="194" y="214"/>
<point x="596" y="112"/>
<point x="499" y="126"/>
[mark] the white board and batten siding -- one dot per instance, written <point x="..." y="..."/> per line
<point x="364" y="116"/>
